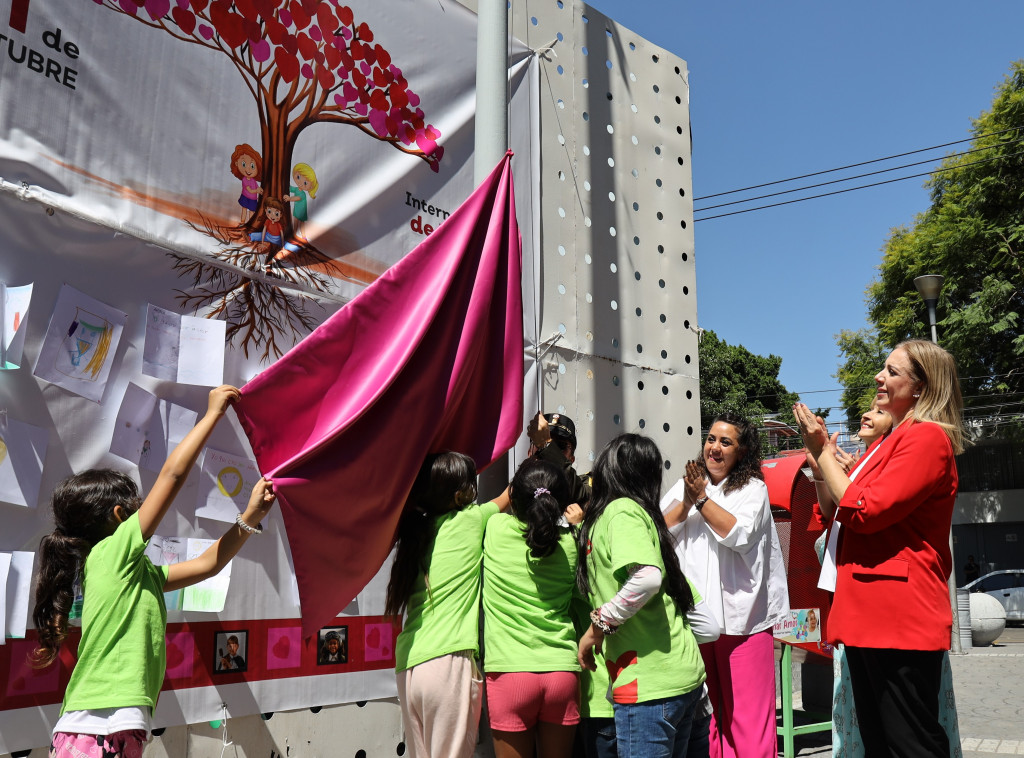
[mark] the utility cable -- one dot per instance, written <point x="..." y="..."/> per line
<point x="851" y="178"/>
<point x="863" y="186"/>
<point x="857" y="165"/>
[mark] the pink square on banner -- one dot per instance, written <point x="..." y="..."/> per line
<point x="25" y="680"/>
<point x="181" y="655"/>
<point x="284" y="647"/>
<point x="378" y="642"/>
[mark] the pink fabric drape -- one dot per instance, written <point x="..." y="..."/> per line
<point x="427" y="358"/>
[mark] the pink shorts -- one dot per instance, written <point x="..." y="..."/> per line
<point x="517" y="700"/>
<point x="127" y="744"/>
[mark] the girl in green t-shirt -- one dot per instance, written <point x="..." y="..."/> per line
<point x="640" y="599"/>
<point x="101" y="529"/>
<point x="435" y="580"/>
<point x="529" y="639"/>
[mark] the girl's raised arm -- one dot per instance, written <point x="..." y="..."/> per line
<point x="216" y="557"/>
<point x="180" y="461"/>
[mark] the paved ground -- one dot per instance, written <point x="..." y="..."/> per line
<point x="989" y="684"/>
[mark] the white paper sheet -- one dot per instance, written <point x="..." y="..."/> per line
<point x="166" y="551"/>
<point x="147" y="429"/>
<point x="210" y="594"/>
<point x="5" y="567"/>
<point x="225" y="485"/>
<point x="14" y="315"/>
<point x="80" y="344"/>
<point x="184" y="349"/>
<point x="19" y="588"/>
<point x="22" y="454"/>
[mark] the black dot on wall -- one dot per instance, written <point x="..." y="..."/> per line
<point x="156" y="733"/>
<point x="689" y="430"/>
<point x="665" y="426"/>
<point x="689" y="395"/>
<point x="664" y="390"/>
<point x="360" y="754"/>
<point x="668" y="465"/>
<point x="400" y="750"/>
<point x="361" y="704"/>
<point x="316" y="709"/>
<point x="639" y="385"/>
<point x="687" y="359"/>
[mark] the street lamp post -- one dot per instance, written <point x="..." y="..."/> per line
<point x="929" y="285"/>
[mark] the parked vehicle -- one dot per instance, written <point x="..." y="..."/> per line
<point x="1005" y="586"/>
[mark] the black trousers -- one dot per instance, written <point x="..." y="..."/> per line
<point x="896" y="693"/>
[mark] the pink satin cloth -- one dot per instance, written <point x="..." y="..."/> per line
<point x="428" y="358"/>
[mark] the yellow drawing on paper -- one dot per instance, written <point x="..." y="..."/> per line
<point x="87" y="345"/>
<point x="229" y="471"/>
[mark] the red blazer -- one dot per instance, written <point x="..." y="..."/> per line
<point x="894" y="560"/>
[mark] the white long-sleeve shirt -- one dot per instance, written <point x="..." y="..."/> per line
<point x="741" y="576"/>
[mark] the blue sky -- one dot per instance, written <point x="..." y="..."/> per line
<point x="782" y="89"/>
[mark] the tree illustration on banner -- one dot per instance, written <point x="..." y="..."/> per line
<point x="305" y="62"/>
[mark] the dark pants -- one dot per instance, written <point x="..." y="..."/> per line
<point x="896" y="693"/>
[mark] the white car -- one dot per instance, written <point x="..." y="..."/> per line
<point x="1005" y="586"/>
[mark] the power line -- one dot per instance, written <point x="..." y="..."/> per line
<point x="857" y="165"/>
<point x="855" y="176"/>
<point x="863" y="186"/>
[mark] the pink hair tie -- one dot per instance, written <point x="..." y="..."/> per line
<point x="541" y="491"/>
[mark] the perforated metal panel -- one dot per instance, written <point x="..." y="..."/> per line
<point x="617" y="265"/>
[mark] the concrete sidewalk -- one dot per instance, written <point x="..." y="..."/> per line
<point x="989" y="685"/>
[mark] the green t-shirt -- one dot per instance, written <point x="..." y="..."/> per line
<point x="653" y="654"/>
<point x="122" y="656"/>
<point x="447" y="618"/>
<point x="594" y="701"/>
<point x="527" y="626"/>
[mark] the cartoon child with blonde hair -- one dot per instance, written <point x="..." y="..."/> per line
<point x="247" y="165"/>
<point x="305" y="182"/>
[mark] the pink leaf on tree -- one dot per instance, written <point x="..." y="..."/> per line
<point x="129" y="7"/>
<point x="260" y="51"/>
<point x="414" y="99"/>
<point x="306" y="71"/>
<point x="315" y="33"/>
<point x="285" y="17"/>
<point x="157" y="9"/>
<point x="205" y="32"/>
<point x="378" y="121"/>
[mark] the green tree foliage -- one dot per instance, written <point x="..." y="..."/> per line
<point x="734" y="379"/>
<point x="973" y="235"/>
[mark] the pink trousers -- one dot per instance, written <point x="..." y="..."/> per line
<point x="441" y="701"/>
<point x="741" y="685"/>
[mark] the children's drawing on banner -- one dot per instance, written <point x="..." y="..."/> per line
<point x="22" y="454"/>
<point x="183" y="349"/>
<point x="5" y="567"/>
<point x="15" y="302"/>
<point x="225" y="485"/>
<point x="146" y="428"/>
<point x="80" y="343"/>
<point x="312" y="63"/>
<point x="19" y="587"/>
<point x="209" y="595"/>
<point x="166" y="551"/>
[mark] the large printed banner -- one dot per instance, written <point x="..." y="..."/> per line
<point x="187" y="189"/>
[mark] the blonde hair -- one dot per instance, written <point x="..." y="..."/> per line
<point x="306" y="172"/>
<point x="940" y="401"/>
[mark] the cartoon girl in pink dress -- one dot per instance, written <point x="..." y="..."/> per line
<point x="246" y="165"/>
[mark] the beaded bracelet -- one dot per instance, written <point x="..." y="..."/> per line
<point x="258" y="529"/>
<point x="595" y="619"/>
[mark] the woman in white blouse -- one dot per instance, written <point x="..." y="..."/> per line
<point x="728" y="547"/>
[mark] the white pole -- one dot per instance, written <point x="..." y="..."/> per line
<point x="491" y="87"/>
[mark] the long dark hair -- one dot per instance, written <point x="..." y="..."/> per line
<point x="83" y="514"/>
<point x="749" y="464"/>
<point x="445" y="481"/>
<point x="630" y="466"/>
<point x="539" y="496"/>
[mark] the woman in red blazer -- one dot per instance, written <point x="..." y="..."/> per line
<point x="891" y="607"/>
